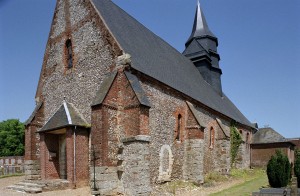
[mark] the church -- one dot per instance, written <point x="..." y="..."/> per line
<point x="119" y="109"/>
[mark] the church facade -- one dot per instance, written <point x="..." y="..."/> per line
<point x="119" y="108"/>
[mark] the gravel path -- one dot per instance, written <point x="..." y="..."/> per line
<point x="4" y="182"/>
<point x="201" y="191"/>
<point x="204" y="191"/>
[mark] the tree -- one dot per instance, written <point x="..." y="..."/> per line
<point x="279" y="170"/>
<point x="297" y="166"/>
<point x="12" y="138"/>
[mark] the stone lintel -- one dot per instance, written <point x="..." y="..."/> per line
<point x="138" y="138"/>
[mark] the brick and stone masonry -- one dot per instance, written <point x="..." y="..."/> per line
<point x="136" y="145"/>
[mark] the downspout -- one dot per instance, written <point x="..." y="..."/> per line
<point x="74" y="150"/>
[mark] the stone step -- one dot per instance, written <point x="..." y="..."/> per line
<point x="33" y="190"/>
<point x="26" y="187"/>
<point x="29" y="184"/>
<point x="16" y="188"/>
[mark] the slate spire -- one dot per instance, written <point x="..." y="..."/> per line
<point x="201" y="49"/>
<point x="200" y="27"/>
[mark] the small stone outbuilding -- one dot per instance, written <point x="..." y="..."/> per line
<point x="264" y="144"/>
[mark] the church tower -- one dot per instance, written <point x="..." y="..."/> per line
<point x="201" y="49"/>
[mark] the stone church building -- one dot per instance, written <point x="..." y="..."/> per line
<point x="113" y="94"/>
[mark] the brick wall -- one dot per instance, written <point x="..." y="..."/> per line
<point x="49" y="164"/>
<point x="119" y="116"/>
<point x="261" y="153"/>
<point x="31" y="137"/>
<point x="81" y="167"/>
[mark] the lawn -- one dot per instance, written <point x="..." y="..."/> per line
<point x="251" y="183"/>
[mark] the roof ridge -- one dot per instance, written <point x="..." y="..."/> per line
<point x="154" y="57"/>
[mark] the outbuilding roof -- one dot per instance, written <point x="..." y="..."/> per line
<point x="154" y="57"/>
<point x="267" y="135"/>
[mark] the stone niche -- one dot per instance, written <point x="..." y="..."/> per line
<point x="165" y="164"/>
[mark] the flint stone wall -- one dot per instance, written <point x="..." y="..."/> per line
<point x="92" y="59"/>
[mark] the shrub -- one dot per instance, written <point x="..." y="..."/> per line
<point x="279" y="170"/>
<point x="297" y="166"/>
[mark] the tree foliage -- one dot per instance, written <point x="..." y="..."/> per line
<point x="297" y="166"/>
<point x="12" y="138"/>
<point x="279" y="170"/>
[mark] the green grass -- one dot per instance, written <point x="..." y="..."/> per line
<point x="12" y="175"/>
<point x="253" y="180"/>
<point x="172" y="187"/>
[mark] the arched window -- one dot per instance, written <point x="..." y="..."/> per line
<point x="69" y="53"/>
<point x="248" y="140"/>
<point x="211" y="137"/>
<point x="179" y="125"/>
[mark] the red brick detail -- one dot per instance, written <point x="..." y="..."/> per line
<point x="49" y="165"/>
<point x="193" y="128"/>
<point x="43" y="149"/>
<point x="180" y="116"/>
<point x="120" y="115"/>
<point x="70" y="155"/>
<point x="144" y="121"/>
<point x="31" y="139"/>
<point x="81" y="157"/>
<point x="261" y="153"/>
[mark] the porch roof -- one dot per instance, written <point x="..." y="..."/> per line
<point x="65" y="116"/>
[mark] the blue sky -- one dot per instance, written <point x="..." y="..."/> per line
<point x="259" y="45"/>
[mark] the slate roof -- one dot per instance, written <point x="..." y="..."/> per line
<point x="137" y="88"/>
<point x="195" y="49"/>
<point x="200" y="27"/>
<point x="65" y="116"/>
<point x="134" y="83"/>
<point x="31" y="117"/>
<point x="225" y="129"/>
<point x="267" y="135"/>
<point x="104" y="88"/>
<point x="154" y="57"/>
<point x="194" y="112"/>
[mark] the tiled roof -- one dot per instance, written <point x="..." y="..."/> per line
<point x="36" y="109"/>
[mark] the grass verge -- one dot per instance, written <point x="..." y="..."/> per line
<point x="11" y="175"/>
<point x="253" y="180"/>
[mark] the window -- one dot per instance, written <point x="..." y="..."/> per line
<point x="211" y="137"/>
<point x="179" y="125"/>
<point x="248" y="140"/>
<point x="69" y="53"/>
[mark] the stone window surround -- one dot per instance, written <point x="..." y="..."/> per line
<point x="211" y="137"/>
<point x="69" y="48"/>
<point x="178" y="131"/>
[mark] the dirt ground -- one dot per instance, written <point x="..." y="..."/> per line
<point x="4" y="182"/>
<point x="200" y="191"/>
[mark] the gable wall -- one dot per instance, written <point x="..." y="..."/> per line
<point x="92" y="58"/>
